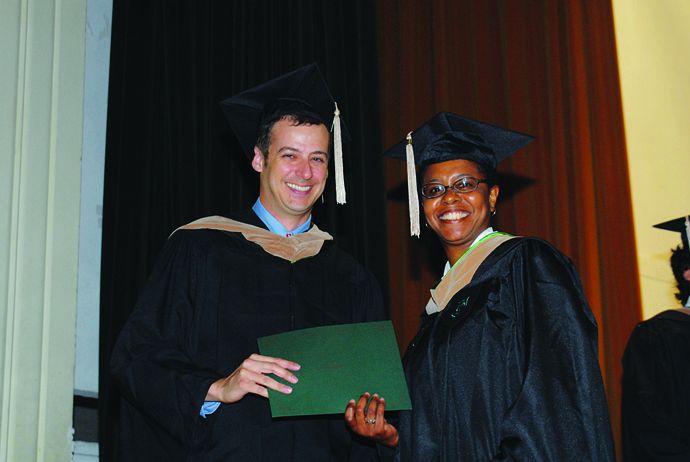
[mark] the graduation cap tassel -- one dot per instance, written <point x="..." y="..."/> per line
<point x="338" y="154"/>
<point x="412" y="196"/>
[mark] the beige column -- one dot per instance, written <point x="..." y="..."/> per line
<point x="41" y="100"/>
<point x="653" y="39"/>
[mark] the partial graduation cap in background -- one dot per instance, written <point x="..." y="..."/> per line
<point x="680" y="225"/>
<point x="302" y="90"/>
<point x="448" y="136"/>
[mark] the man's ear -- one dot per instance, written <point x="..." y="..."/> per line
<point x="686" y="274"/>
<point x="258" y="160"/>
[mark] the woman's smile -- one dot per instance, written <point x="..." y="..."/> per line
<point x="458" y="218"/>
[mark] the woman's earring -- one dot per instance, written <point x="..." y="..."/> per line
<point x="493" y="212"/>
<point x="322" y="201"/>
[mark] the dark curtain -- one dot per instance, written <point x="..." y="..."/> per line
<point x="171" y="158"/>
<point x="547" y="68"/>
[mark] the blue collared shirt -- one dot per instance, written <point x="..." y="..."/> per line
<point x="274" y="226"/>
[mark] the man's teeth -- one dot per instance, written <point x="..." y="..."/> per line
<point x="453" y="215"/>
<point x="298" y="187"/>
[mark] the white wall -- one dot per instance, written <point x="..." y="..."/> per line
<point x="97" y="66"/>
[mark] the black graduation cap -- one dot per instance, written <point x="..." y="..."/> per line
<point x="448" y="136"/>
<point x="304" y="90"/>
<point x="680" y="225"/>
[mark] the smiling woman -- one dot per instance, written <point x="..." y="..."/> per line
<point x="460" y="212"/>
<point x="504" y="365"/>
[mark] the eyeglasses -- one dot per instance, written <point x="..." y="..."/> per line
<point x="463" y="185"/>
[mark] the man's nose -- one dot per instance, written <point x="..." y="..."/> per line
<point x="304" y="169"/>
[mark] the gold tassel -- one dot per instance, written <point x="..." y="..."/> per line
<point x="338" y="154"/>
<point x="413" y="199"/>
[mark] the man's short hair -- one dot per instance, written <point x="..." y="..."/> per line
<point x="680" y="262"/>
<point x="297" y="116"/>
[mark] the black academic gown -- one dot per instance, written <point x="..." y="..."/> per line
<point x="211" y="295"/>
<point x="509" y="369"/>
<point x="656" y="390"/>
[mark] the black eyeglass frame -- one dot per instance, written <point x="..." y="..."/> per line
<point x="445" y="188"/>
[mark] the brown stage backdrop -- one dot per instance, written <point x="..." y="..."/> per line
<point x="547" y="68"/>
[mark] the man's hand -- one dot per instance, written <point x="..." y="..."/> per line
<point x="368" y="421"/>
<point x="250" y="377"/>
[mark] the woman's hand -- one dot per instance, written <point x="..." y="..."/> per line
<point x="368" y="421"/>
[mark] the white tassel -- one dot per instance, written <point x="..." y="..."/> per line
<point x="687" y="230"/>
<point x="338" y="154"/>
<point x="413" y="198"/>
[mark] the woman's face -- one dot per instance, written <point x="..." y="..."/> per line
<point x="458" y="218"/>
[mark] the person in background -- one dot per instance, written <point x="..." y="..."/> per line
<point x="655" y="407"/>
<point x="505" y="363"/>
<point x="187" y="360"/>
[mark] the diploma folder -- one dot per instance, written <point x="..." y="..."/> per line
<point x="339" y="363"/>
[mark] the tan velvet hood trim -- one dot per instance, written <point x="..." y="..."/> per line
<point x="291" y="248"/>
<point x="462" y="273"/>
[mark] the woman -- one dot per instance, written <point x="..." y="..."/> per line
<point x="505" y="364"/>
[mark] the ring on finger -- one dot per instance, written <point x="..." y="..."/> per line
<point x="370" y="421"/>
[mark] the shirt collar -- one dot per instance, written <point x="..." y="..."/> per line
<point x="486" y="232"/>
<point x="274" y="225"/>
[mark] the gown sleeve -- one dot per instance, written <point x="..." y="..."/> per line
<point x="560" y="413"/>
<point x="151" y="360"/>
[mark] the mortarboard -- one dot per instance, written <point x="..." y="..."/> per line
<point x="680" y="225"/>
<point x="448" y="136"/>
<point x="304" y="90"/>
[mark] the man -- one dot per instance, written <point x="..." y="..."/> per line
<point x="656" y="372"/>
<point x="187" y="360"/>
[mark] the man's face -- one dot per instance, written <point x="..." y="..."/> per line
<point x="293" y="175"/>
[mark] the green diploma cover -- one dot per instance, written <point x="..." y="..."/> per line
<point x="339" y="363"/>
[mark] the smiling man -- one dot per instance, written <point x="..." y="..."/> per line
<point x="295" y="176"/>
<point x="187" y="361"/>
